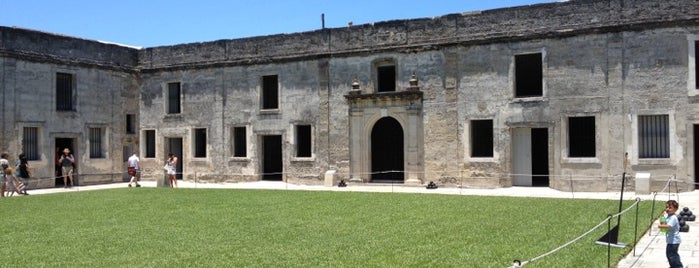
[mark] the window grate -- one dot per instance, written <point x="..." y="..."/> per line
<point x="30" y="143"/>
<point x="653" y="136"/>
<point x="96" y="143"/>
<point x="64" y="92"/>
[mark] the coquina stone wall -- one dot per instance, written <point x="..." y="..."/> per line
<point x="609" y="59"/>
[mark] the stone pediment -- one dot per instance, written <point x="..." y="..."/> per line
<point x="408" y="98"/>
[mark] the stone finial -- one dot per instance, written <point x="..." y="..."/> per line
<point x="355" y="84"/>
<point x="413" y="82"/>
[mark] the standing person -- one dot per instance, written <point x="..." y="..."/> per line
<point x="172" y="169"/>
<point x="133" y="169"/>
<point x="4" y="164"/>
<point x="23" y="173"/>
<point x="672" y="237"/>
<point x="67" y="160"/>
<point x="11" y="183"/>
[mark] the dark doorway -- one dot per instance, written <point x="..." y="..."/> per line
<point x="540" y="157"/>
<point x="174" y="145"/>
<point x="696" y="155"/>
<point x="61" y="144"/>
<point x="272" y="158"/>
<point x="387" y="151"/>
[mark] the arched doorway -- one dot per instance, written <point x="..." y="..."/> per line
<point x="387" y="151"/>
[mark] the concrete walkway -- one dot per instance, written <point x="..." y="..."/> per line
<point x="649" y="251"/>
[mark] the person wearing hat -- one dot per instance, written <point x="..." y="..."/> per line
<point x="67" y="160"/>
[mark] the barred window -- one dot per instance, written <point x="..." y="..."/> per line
<point x="30" y="143"/>
<point x="96" y="143"/>
<point x="64" y="92"/>
<point x="653" y="136"/>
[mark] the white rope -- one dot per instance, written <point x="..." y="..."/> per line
<point x="581" y="236"/>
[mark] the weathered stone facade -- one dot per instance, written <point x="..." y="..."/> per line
<point x="606" y="67"/>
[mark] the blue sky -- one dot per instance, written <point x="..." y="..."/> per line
<point x="148" y="23"/>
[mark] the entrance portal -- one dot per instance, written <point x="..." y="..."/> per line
<point x="530" y="157"/>
<point x="174" y="145"/>
<point x="387" y="164"/>
<point x="61" y="144"/>
<point x="272" y="158"/>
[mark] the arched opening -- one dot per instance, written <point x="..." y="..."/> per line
<point x="387" y="151"/>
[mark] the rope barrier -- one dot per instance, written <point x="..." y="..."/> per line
<point x="581" y="236"/>
<point x="457" y="176"/>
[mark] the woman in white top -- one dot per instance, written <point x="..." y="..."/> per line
<point x="172" y="169"/>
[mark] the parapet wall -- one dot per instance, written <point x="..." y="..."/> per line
<point x="44" y="47"/>
<point x="507" y="24"/>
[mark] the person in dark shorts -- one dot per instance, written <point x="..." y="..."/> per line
<point x="134" y="166"/>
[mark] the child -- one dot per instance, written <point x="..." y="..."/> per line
<point x="672" y="237"/>
<point x="11" y="183"/>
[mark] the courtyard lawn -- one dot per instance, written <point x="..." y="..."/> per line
<point x="163" y="227"/>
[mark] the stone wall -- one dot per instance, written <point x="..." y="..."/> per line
<point x="610" y="59"/>
<point x="551" y="20"/>
<point x="57" y="49"/>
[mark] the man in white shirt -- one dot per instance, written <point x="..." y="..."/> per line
<point x="133" y="169"/>
<point x="4" y="163"/>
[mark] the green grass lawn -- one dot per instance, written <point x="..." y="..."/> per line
<point x="163" y="227"/>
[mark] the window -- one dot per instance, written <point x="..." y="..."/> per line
<point x="96" y="143"/>
<point x="130" y="124"/>
<point x="528" y="75"/>
<point x="30" y="143"/>
<point x="653" y="136"/>
<point x="173" y="98"/>
<point x="150" y="143"/>
<point x="581" y="136"/>
<point x="270" y="92"/>
<point x="64" y="92"/>
<point x="199" y="142"/>
<point x="482" y="138"/>
<point x="386" y="78"/>
<point x="239" y="142"/>
<point x="303" y="141"/>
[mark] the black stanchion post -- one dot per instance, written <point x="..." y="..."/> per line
<point x="609" y="245"/>
<point x="635" y="226"/>
<point x="613" y="234"/>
